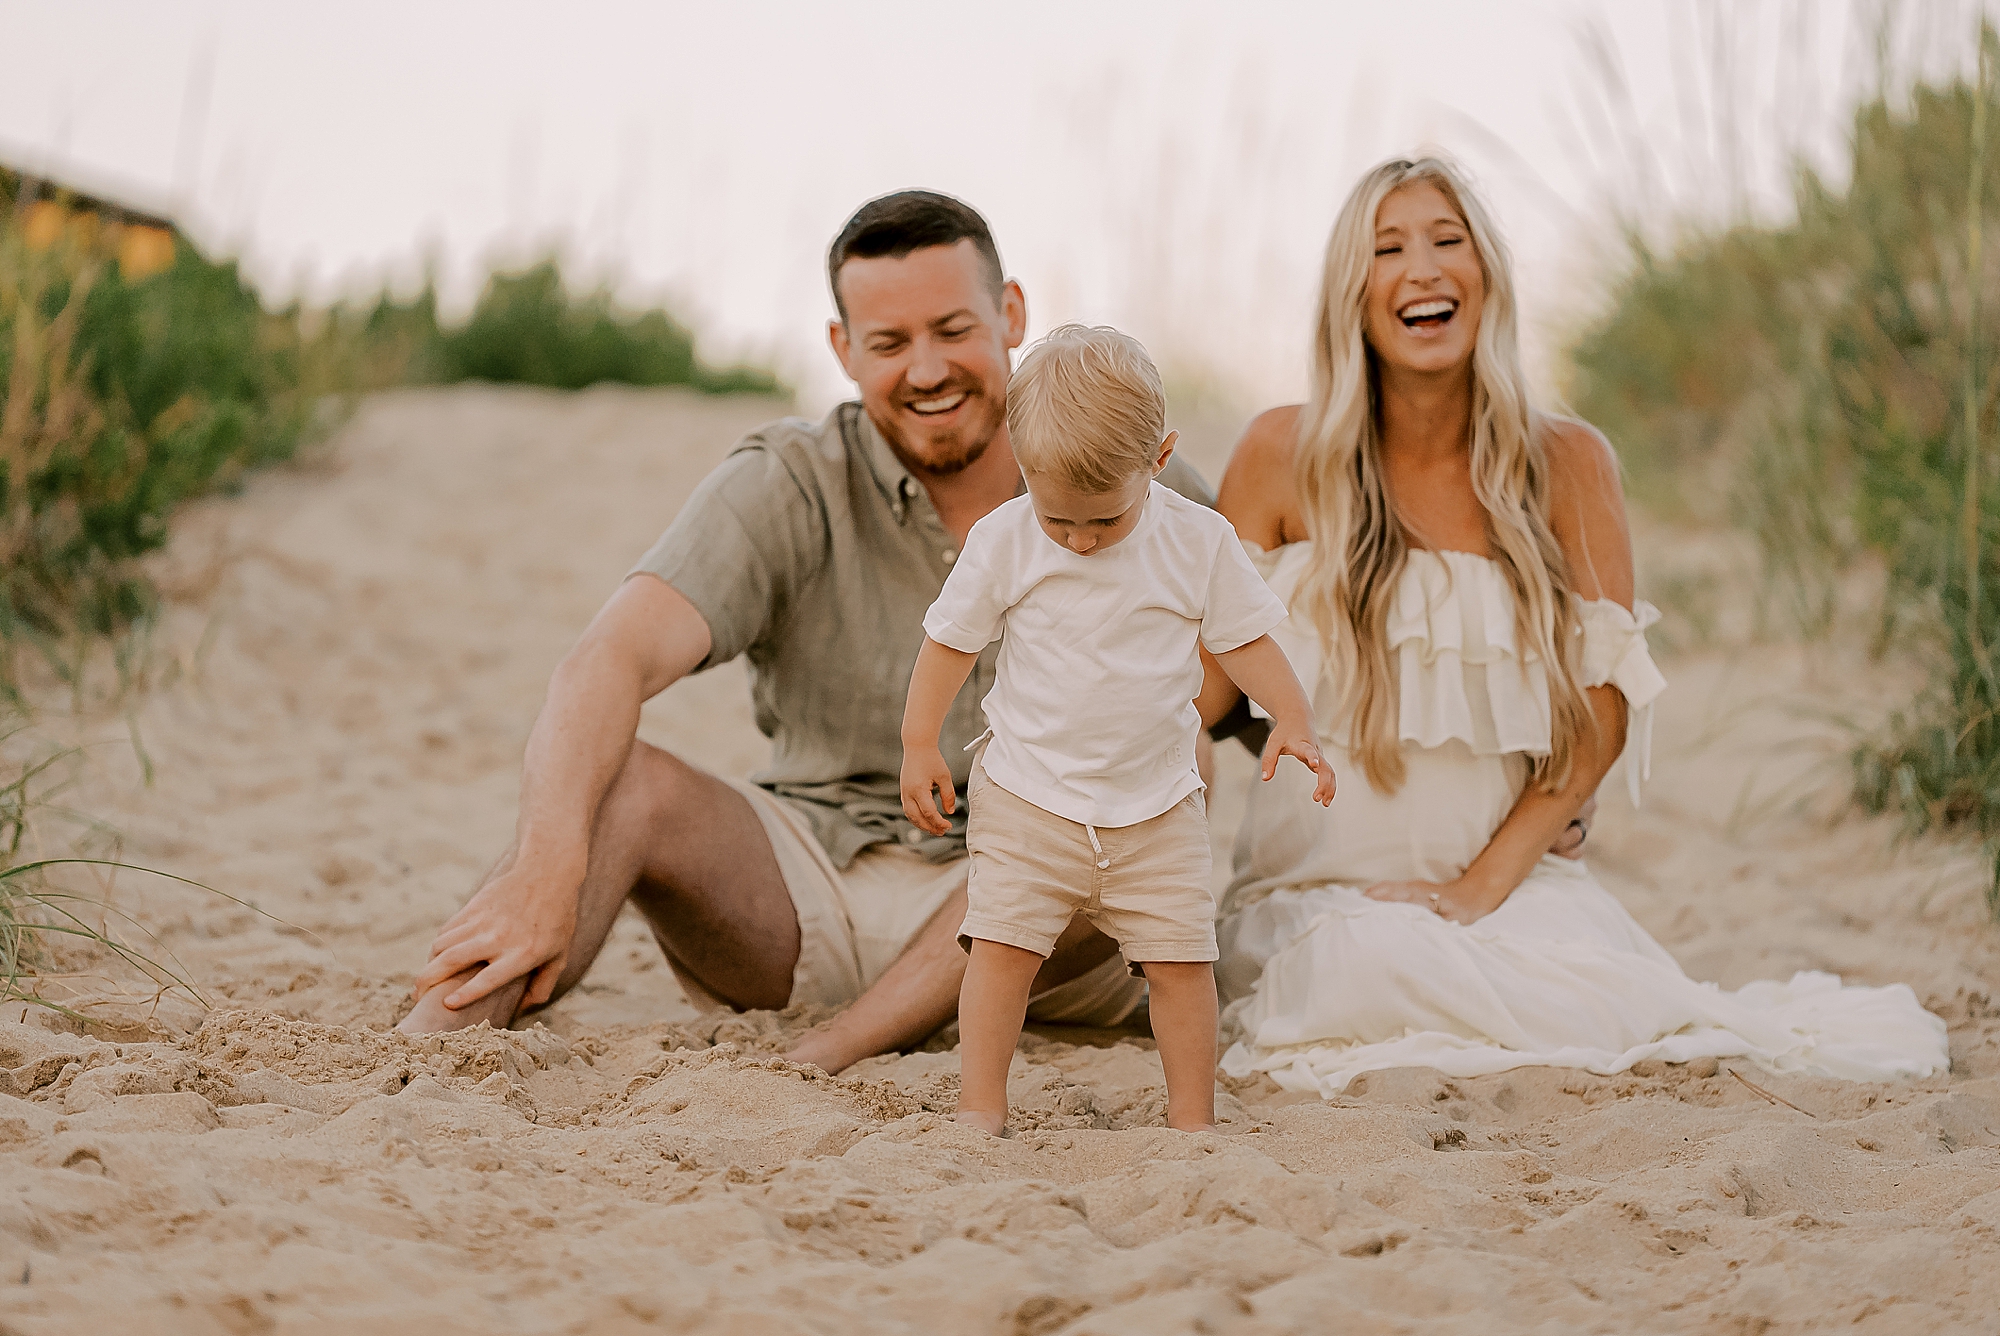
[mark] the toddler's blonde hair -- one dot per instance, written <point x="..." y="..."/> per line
<point x="1086" y="406"/>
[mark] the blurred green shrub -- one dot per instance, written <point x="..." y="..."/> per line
<point x="1832" y="382"/>
<point x="127" y="389"/>
<point x="121" y="399"/>
<point x="526" y="329"/>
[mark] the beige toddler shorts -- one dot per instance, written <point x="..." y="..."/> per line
<point x="1032" y="871"/>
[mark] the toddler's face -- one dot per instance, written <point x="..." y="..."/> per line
<point x="1088" y="522"/>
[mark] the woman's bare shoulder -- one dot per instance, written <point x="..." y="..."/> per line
<point x="1259" y="494"/>
<point x="1587" y="508"/>
<point x="1579" y="456"/>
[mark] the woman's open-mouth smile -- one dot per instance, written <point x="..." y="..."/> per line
<point x="1427" y="314"/>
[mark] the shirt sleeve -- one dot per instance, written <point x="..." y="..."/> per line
<point x="969" y="609"/>
<point x="741" y="548"/>
<point x="1240" y="607"/>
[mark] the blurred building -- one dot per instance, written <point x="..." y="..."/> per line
<point x="48" y="210"/>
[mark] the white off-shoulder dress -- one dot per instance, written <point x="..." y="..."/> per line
<point x="1321" y="983"/>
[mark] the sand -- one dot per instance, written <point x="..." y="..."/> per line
<point x="333" y="709"/>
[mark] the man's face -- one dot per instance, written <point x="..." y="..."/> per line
<point x="927" y="345"/>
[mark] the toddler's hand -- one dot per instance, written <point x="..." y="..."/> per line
<point x="924" y="772"/>
<point x="1303" y="745"/>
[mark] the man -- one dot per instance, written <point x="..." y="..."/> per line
<point x="814" y="549"/>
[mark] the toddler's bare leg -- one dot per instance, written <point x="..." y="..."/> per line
<point x="1182" y="1003"/>
<point x="991" y="1004"/>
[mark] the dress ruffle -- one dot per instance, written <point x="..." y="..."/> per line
<point x="1461" y="675"/>
<point x="1461" y="672"/>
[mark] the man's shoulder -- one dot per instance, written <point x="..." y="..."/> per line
<point x="786" y="461"/>
<point x="799" y="439"/>
<point x="1183" y="479"/>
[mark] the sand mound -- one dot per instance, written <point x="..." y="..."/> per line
<point x="333" y="712"/>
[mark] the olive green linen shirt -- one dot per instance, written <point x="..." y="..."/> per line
<point x="812" y="551"/>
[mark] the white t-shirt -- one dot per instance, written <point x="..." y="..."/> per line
<point x="1092" y="710"/>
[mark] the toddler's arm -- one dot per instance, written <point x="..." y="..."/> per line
<point x="934" y="684"/>
<point x="1261" y="669"/>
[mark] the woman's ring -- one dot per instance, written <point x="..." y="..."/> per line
<point x="1582" y="829"/>
<point x="1434" y="902"/>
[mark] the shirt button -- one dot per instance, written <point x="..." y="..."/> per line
<point x="950" y="555"/>
<point x="913" y="836"/>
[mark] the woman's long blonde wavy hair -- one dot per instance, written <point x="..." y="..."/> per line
<point x="1359" y="542"/>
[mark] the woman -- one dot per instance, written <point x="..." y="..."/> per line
<point x="1460" y="578"/>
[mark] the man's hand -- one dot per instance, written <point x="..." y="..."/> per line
<point x="1447" y="899"/>
<point x="925" y="774"/>
<point x="519" y="924"/>
<point x="1569" y="844"/>
<point x="1298" y="741"/>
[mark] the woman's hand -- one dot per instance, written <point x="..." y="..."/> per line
<point x="1454" y="900"/>
<point x="1299" y="741"/>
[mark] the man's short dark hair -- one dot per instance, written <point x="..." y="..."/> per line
<point x="906" y="221"/>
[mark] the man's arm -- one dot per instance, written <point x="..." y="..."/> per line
<point x="645" y="638"/>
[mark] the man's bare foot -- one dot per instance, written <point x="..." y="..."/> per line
<point x="993" y="1124"/>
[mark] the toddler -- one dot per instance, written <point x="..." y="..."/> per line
<point x="1084" y="795"/>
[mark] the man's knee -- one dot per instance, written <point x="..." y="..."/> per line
<point x="648" y="788"/>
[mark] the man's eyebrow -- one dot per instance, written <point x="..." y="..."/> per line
<point x="960" y="314"/>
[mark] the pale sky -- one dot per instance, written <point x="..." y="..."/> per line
<point x="1172" y="168"/>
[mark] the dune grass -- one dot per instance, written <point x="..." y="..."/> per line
<point x="1827" y="384"/>
<point x="123" y="395"/>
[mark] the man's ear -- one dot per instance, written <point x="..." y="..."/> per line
<point x="836" y="338"/>
<point x="1166" y="452"/>
<point x="1014" y="313"/>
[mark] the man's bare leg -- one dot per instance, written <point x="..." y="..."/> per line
<point x="919" y="993"/>
<point x="690" y="851"/>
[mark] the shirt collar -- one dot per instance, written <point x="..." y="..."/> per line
<point x="899" y="487"/>
<point x="894" y="481"/>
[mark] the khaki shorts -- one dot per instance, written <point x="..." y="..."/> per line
<point x="853" y="924"/>
<point x="1146" y="885"/>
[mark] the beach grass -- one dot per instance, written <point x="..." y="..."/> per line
<point x="1827" y="384"/>
<point x="127" y="390"/>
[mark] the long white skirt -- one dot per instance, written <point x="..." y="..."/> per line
<point x="1560" y="975"/>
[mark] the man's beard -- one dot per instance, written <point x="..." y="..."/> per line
<point x="942" y="454"/>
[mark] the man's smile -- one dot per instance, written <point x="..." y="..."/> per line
<point x="938" y="406"/>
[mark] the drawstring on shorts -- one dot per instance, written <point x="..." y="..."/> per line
<point x="1102" y="861"/>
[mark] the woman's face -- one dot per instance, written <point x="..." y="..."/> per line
<point x="1426" y="290"/>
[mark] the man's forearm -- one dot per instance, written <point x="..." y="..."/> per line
<point x="578" y="744"/>
<point x="647" y="637"/>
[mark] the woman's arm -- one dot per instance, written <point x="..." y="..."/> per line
<point x="1587" y="513"/>
<point x="1259" y="497"/>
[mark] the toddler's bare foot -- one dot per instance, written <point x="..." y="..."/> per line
<point x="1189" y="1126"/>
<point x="993" y="1124"/>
